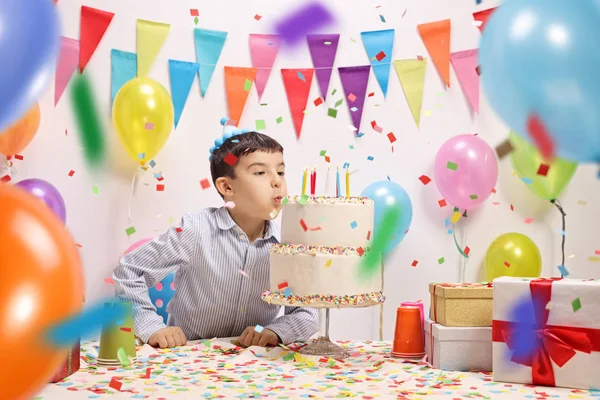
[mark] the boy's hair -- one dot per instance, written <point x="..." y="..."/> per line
<point x="240" y="145"/>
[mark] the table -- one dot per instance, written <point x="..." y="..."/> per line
<point x="217" y="369"/>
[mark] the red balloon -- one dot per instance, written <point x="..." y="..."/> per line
<point x="41" y="284"/>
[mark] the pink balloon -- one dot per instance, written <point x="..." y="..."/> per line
<point x="136" y="245"/>
<point x="466" y="170"/>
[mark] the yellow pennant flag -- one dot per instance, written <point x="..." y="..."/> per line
<point x="150" y="38"/>
<point x="411" y="74"/>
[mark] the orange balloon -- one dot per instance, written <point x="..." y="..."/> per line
<point x="41" y="283"/>
<point x="14" y="139"/>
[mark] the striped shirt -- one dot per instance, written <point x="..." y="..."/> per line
<point x="220" y="276"/>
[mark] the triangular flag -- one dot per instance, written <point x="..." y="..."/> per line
<point x="123" y="69"/>
<point x="209" y="45"/>
<point x="354" y="81"/>
<point x="297" y="87"/>
<point x="411" y="74"/>
<point x="150" y="38"/>
<point x="181" y="74"/>
<point x="263" y="51"/>
<point x="322" y="50"/>
<point x="238" y="82"/>
<point x="379" y="46"/>
<point x="67" y="64"/>
<point x="481" y="17"/>
<point x="94" y="24"/>
<point x="465" y="64"/>
<point x="436" y="36"/>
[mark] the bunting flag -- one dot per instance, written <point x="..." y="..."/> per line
<point x="181" y="75"/>
<point x="411" y="74"/>
<point x="354" y="81"/>
<point x="481" y="17"/>
<point x="123" y="69"/>
<point x="150" y="38"/>
<point x="238" y="82"/>
<point x="436" y="36"/>
<point x="297" y="87"/>
<point x="209" y="45"/>
<point x="379" y="46"/>
<point x="322" y="50"/>
<point x="94" y="24"/>
<point x="263" y="51"/>
<point x="68" y="60"/>
<point x="465" y="65"/>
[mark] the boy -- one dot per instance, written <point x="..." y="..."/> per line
<point x="221" y="256"/>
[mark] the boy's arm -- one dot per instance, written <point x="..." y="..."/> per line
<point x="145" y="267"/>
<point x="298" y="324"/>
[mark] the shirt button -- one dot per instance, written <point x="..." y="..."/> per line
<point x="241" y="235"/>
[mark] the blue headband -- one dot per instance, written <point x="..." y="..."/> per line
<point x="228" y="132"/>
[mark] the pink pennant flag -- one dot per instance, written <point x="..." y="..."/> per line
<point x="67" y="63"/>
<point x="263" y="51"/>
<point x="465" y="65"/>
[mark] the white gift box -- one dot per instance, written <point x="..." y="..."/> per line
<point x="568" y="332"/>
<point x="458" y="348"/>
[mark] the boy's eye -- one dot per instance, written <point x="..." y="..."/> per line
<point x="259" y="173"/>
<point x="281" y="173"/>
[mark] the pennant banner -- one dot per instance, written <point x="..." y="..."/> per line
<point x="123" y="69"/>
<point x="181" y="75"/>
<point x="465" y="65"/>
<point x="150" y="38"/>
<point x="481" y="17"/>
<point x="354" y="81"/>
<point x="322" y="50"/>
<point x="297" y="87"/>
<point x="68" y="60"/>
<point x="379" y="46"/>
<point x="436" y="37"/>
<point x="238" y="82"/>
<point x="411" y="74"/>
<point x="94" y="24"/>
<point x="209" y="45"/>
<point x="263" y="51"/>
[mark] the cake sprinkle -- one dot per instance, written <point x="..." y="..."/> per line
<point x="303" y="200"/>
<point x="350" y="300"/>
<point x="291" y="249"/>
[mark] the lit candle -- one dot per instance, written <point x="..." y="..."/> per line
<point x="347" y="183"/>
<point x="337" y="182"/>
<point x="304" y="181"/>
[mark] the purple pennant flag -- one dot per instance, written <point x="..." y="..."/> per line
<point x="323" y="48"/>
<point x="354" y="81"/>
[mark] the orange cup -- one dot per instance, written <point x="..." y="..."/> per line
<point x="408" y="336"/>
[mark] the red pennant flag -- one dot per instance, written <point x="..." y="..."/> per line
<point x="436" y="36"/>
<point x="297" y="87"/>
<point x="482" y="16"/>
<point x="94" y="24"/>
<point x="238" y="82"/>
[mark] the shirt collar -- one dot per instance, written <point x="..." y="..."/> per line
<point x="225" y="222"/>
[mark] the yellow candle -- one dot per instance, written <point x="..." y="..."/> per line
<point x="347" y="183"/>
<point x="304" y="181"/>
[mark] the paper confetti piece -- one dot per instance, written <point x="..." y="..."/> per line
<point x="230" y="159"/>
<point x="563" y="271"/>
<point x="282" y="285"/>
<point x="424" y="179"/>
<point x="279" y="120"/>
<point x="141" y="156"/>
<point x="338" y="103"/>
<point x="467" y="250"/>
<point x="229" y="204"/>
<point x="353" y="224"/>
<point x="383" y="234"/>
<point x="506" y="264"/>
<point x="273" y="214"/>
<point x="130" y="231"/>
<point x="540" y="136"/>
<point x="303" y="224"/>
<point x="414" y="263"/>
<point x="152" y="163"/>
<point x="247" y="85"/>
<point x="594" y="259"/>
<point x="303" y="199"/>
<point x="328" y="263"/>
<point x="370" y="158"/>
<point x="204" y="184"/>
<point x="71" y="173"/>
<point x="380" y="56"/>
<point x="382" y="18"/>
<point x="110" y="281"/>
<point x="194" y="12"/>
<point x="115" y="384"/>
<point x="287" y="292"/>
<point x="478" y="70"/>
<point x="391" y="137"/>
<point x="455" y="217"/>
<point x="160" y="188"/>
<point x="95" y="189"/>
<point x="543" y="170"/>
<point x="318" y="101"/>
<point x="376" y="127"/>
<point x="5" y="179"/>
<point x="452" y="166"/>
<point x="178" y="229"/>
<point x="322" y="153"/>
<point x="149" y="126"/>
<point x="332" y="112"/>
<point x="257" y="17"/>
<point x="18" y="157"/>
<point x="528" y="220"/>
<point x="441" y="260"/>
<point x="369" y="235"/>
<point x="148" y="373"/>
<point x="125" y="329"/>
<point x="261" y="124"/>
<point x="360" y="251"/>
<point x="284" y="201"/>
<point x="576" y="304"/>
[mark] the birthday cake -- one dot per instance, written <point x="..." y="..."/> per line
<point x="318" y="260"/>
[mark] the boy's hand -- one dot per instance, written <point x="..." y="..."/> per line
<point x="250" y="337"/>
<point x="171" y="336"/>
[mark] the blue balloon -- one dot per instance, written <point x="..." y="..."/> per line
<point x="386" y="195"/>
<point x="540" y="57"/>
<point x="29" y="37"/>
<point x="165" y="294"/>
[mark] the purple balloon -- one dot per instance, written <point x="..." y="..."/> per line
<point x="466" y="170"/>
<point x="48" y="193"/>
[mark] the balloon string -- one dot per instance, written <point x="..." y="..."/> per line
<point x="564" y="226"/>
<point x="131" y="192"/>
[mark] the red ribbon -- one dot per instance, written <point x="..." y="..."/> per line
<point x="554" y="342"/>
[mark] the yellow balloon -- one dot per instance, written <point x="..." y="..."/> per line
<point x="143" y="117"/>
<point x="513" y="254"/>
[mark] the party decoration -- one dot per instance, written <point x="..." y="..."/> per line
<point x="150" y="38"/>
<point x="263" y="51"/>
<point x="306" y="19"/>
<point x="238" y="82"/>
<point x="181" y="74"/>
<point x="482" y="17"/>
<point x="411" y="74"/>
<point x="14" y="139"/>
<point x="28" y="45"/>
<point x="323" y="48"/>
<point x="436" y="37"/>
<point x="209" y="45"/>
<point x="67" y="64"/>
<point x="297" y="86"/>
<point x="41" y="283"/>
<point x="355" y="81"/>
<point x="123" y="69"/>
<point x="539" y="73"/>
<point x="137" y="245"/>
<point x="465" y="65"/>
<point x="46" y="192"/>
<point x="143" y="117"/>
<point x="379" y="46"/>
<point x="93" y="26"/>
<point x="466" y="170"/>
<point x="371" y="262"/>
<point x="512" y="254"/>
<point x="547" y="179"/>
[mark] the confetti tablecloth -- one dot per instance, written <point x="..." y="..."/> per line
<point x="218" y="369"/>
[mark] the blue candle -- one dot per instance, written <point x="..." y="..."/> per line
<point x="337" y="182"/>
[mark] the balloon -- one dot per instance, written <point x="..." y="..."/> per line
<point x="386" y="195"/>
<point x="143" y="117"/>
<point x="41" y="284"/>
<point x="527" y="160"/>
<point x="48" y="193"/>
<point x="540" y="57"/>
<point x="29" y="45"/>
<point x="466" y="170"/>
<point x="136" y="245"/>
<point x="512" y="254"/>
<point x="14" y="139"/>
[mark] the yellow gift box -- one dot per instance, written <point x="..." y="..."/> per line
<point x="461" y="304"/>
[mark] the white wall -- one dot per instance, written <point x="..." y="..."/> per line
<point x="98" y="222"/>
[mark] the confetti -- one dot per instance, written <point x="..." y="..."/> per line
<point x="333" y="92"/>
<point x="369" y="235"/>
<point x="452" y="166"/>
<point x="442" y="203"/>
<point x="352" y="97"/>
<point x="160" y="188"/>
<point x="391" y="137"/>
<point x="360" y="251"/>
<point x="194" y="12"/>
<point x="303" y="224"/>
<point x="467" y="250"/>
<point x="110" y="281"/>
<point x="301" y="76"/>
<point x="353" y="224"/>
<point x="230" y="159"/>
<point x="414" y="263"/>
<point x="229" y="204"/>
<point x="563" y="271"/>
<point x="115" y="384"/>
<point x="18" y="157"/>
<point x="375" y="127"/>
<point x="125" y="329"/>
<point x="279" y="120"/>
<point x="130" y="231"/>
<point x="507" y="264"/>
<point x="540" y="136"/>
<point x="380" y="56"/>
<point x="383" y="234"/>
<point x="178" y="229"/>
<point x="71" y="173"/>
<point x="260" y="125"/>
<point x="328" y="263"/>
<point x="5" y="179"/>
<point x="382" y="18"/>
<point x="594" y="259"/>
<point x="149" y="126"/>
<point x="346" y="165"/>
<point x="273" y="214"/>
<point x="204" y="184"/>
<point x="424" y="179"/>
<point x="528" y="220"/>
<point x="441" y="260"/>
<point x="247" y="85"/>
<point x="455" y="217"/>
<point x="370" y="158"/>
<point x="338" y="103"/>
<point x="141" y="156"/>
<point x="543" y="170"/>
<point x="152" y="163"/>
<point x="282" y="285"/>
<point x="322" y="153"/>
<point x="576" y="304"/>
<point x="257" y="17"/>
<point x="473" y="197"/>
<point x="284" y="201"/>
<point x="302" y="201"/>
<point x="478" y="70"/>
<point x="332" y="112"/>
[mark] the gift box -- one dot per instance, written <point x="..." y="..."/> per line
<point x="461" y="304"/>
<point x="70" y="365"/>
<point x="564" y="327"/>
<point x="458" y="348"/>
